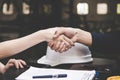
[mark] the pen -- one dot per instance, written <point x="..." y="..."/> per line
<point x="51" y="76"/>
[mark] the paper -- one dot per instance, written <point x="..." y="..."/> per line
<point x="71" y="74"/>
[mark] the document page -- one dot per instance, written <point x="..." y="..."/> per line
<point x="50" y="74"/>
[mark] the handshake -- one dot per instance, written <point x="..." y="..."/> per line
<point x="59" y="39"/>
<point x="65" y="37"/>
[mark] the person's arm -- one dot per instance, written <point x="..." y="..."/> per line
<point x="12" y="47"/>
<point x="75" y="34"/>
<point x="106" y="42"/>
<point x="102" y="42"/>
<point x="12" y="62"/>
<point x="83" y="37"/>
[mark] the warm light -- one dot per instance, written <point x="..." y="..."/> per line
<point x="26" y="8"/>
<point x="82" y="8"/>
<point x="47" y="8"/>
<point x="8" y="10"/>
<point x="118" y="8"/>
<point x="102" y="8"/>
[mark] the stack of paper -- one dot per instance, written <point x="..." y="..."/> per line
<point x="71" y="74"/>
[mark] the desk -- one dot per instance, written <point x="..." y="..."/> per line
<point x="106" y="68"/>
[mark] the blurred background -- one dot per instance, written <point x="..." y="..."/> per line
<point x="22" y="17"/>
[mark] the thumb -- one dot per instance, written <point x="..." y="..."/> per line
<point x="57" y="34"/>
<point x="7" y="66"/>
<point x="74" y="39"/>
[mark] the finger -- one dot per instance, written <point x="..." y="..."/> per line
<point x="15" y="63"/>
<point x="61" y="46"/>
<point x="63" y="49"/>
<point x="23" y="62"/>
<point x="10" y="63"/>
<point x="57" y="45"/>
<point x="66" y="49"/>
<point x="68" y="42"/>
<point x="50" y="44"/>
<point x="74" y="39"/>
<point x="20" y="65"/>
<point x="58" y="33"/>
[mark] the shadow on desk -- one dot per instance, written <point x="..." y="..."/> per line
<point x="105" y="67"/>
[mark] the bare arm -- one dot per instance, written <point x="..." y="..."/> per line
<point x="75" y="34"/>
<point x="83" y="37"/>
<point x="15" y="46"/>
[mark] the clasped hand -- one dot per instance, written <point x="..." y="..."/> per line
<point x="63" y="39"/>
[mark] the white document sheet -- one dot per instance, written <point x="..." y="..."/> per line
<point x="71" y="74"/>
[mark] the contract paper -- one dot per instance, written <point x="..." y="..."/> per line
<point x="71" y="74"/>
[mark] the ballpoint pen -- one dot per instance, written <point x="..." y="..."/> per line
<point x="51" y="76"/>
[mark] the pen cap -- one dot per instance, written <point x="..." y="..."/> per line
<point x="77" y="54"/>
<point x="62" y="75"/>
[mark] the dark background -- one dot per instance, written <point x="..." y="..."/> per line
<point x="50" y="13"/>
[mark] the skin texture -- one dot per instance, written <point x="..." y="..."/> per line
<point x="74" y="34"/>
<point x="62" y="42"/>
<point x="23" y="43"/>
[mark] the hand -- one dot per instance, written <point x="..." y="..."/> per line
<point x="49" y="33"/>
<point x="72" y="33"/>
<point x="75" y="34"/>
<point x="61" y="44"/>
<point x="13" y="62"/>
<point x="69" y="32"/>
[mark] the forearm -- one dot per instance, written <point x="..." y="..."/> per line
<point x="84" y="37"/>
<point x="15" y="46"/>
<point x="12" y="47"/>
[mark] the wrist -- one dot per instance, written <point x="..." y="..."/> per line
<point x="48" y="34"/>
<point x="43" y="35"/>
<point x="84" y="37"/>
